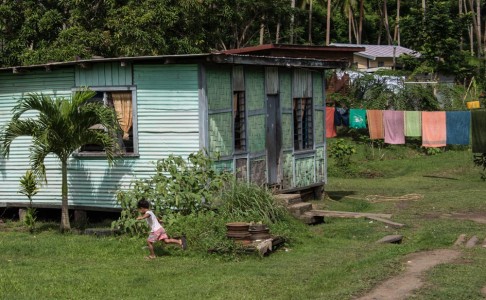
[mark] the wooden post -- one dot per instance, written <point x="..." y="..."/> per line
<point x="80" y="218"/>
<point x="22" y="213"/>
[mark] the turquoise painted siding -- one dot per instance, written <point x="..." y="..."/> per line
<point x="168" y="112"/>
<point x="12" y="88"/>
<point x="168" y="123"/>
<point x="104" y="74"/>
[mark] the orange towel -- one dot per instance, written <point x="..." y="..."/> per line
<point x="375" y="124"/>
<point x="330" y="128"/>
<point x="434" y="133"/>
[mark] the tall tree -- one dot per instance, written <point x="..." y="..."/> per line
<point x="61" y="127"/>
<point x="361" y="18"/>
<point x="328" y="23"/>
<point x="396" y="35"/>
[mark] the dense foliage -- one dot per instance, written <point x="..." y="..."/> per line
<point x="193" y="199"/>
<point x="42" y="31"/>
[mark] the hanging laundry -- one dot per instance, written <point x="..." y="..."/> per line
<point x="394" y="127"/>
<point x="458" y="124"/>
<point x="433" y="129"/>
<point x="357" y="118"/>
<point x="330" y="128"/>
<point x="478" y="129"/>
<point x="341" y="117"/>
<point x="375" y="124"/>
<point x="413" y="123"/>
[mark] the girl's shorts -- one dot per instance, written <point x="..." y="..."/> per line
<point x="158" y="235"/>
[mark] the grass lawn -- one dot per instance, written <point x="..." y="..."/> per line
<point x="335" y="260"/>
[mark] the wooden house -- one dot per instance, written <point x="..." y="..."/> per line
<point x="376" y="57"/>
<point x="261" y="108"/>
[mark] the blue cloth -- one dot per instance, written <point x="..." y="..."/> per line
<point x="341" y="117"/>
<point x="458" y="124"/>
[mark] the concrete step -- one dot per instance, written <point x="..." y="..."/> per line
<point x="310" y="219"/>
<point x="288" y="199"/>
<point x="299" y="209"/>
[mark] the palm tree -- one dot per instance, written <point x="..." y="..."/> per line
<point x="61" y="127"/>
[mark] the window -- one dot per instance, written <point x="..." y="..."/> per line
<point x="303" y="124"/>
<point x="381" y="64"/>
<point x="239" y="121"/>
<point x="122" y="102"/>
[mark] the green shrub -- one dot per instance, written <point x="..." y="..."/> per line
<point x="29" y="187"/>
<point x="342" y="151"/>
<point x="179" y="187"/>
<point x="248" y="202"/>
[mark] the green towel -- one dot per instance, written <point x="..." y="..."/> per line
<point x="478" y="129"/>
<point x="357" y="118"/>
<point x="413" y="123"/>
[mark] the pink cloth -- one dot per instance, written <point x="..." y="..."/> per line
<point x="434" y="133"/>
<point x="330" y="128"/>
<point x="394" y="127"/>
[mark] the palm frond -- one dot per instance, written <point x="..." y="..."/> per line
<point x="44" y="104"/>
<point x="38" y="153"/>
<point x="15" y="129"/>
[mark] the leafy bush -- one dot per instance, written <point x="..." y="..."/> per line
<point x="248" y="202"/>
<point x="480" y="161"/>
<point x="179" y="187"/>
<point x="432" y="151"/>
<point x="29" y="187"/>
<point x="342" y="151"/>
<point x="194" y="200"/>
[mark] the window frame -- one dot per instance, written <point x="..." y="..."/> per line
<point x="237" y="112"/>
<point x="133" y="90"/>
<point x="298" y="135"/>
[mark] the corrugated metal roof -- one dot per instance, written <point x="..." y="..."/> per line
<point x="375" y="51"/>
<point x="251" y="53"/>
<point x="260" y="48"/>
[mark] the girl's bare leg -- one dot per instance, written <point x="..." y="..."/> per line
<point x="151" y="249"/>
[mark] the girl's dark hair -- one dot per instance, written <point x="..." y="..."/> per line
<point x="143" y="204"/>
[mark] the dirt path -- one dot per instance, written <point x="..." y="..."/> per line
<point x="403" y="285"/>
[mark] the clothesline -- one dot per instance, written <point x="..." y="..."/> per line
<point x="437" y="128"/>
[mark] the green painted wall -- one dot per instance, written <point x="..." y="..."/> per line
<point x="255" y="88"/>
<point x="319" y="126"/>
<point x="221" y="134"/>
<point x="220" y="97"/>
<point x="219" y="91"/>
<point x="288" y="170"/>
<point x="104" y="74"/>
<point x="304" y="171"/>
<point x="285" y="77"/>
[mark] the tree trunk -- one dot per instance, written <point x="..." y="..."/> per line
<point x="350" y="33"/>
<point x="469" y="30"/>
<point x="262" y="31"/>
<point x="65" y="225"/>
<point x="328" y="23"/>
<point x="461" y="43"/>
<point x="424" y="7"/>
<point x="310" y="22"/>
<point x="476" y="27"/>
<point x="396" y="35"/>
<point x="361" y="17"/>
<point x="277" y="34"/>
<point x="385" y="19"/>
<point x="292" y="18"/>
<point x="478" y="30"/>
